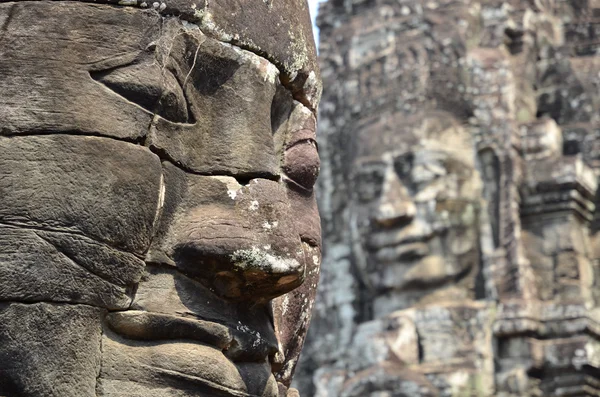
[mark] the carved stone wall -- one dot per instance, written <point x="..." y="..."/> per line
<point x="159" y="234"/>
<point x="460" y="168"/>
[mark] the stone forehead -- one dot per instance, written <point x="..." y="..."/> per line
<point x="280" y="31"/>
<point x="401" y="133"/>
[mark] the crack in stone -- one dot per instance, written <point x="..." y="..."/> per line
<point x="242" y="177"/>
<point x="101" y="360"/>
<point x="70" y="259"/>
<point x="56" y="302"/>
<point x="136" y="141"/>
<point x="34" y="228"/>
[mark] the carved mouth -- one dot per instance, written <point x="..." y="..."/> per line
<point x="402" y="252"/>
<point x="380" y="239"/>
<point x="229" y="361"/>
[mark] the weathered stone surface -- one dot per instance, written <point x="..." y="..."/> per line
<point x="264" y="26"/>
<point x="44" y="345"/>
<point x="67" y="183"/>
<point x="222" y="133"/>
<point x="279" y="31"/>
<point x="74" y="219"/>
<point x="458" y="195"/>
<point x="34" y="269"/>
<point x="159" y="233"/>
<point x="59" y="97"/>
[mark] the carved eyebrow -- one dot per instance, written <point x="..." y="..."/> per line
<point x="445" y="157"/>
<point x="367" y="165"/>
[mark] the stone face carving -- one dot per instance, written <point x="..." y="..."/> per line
<point x="416" y="210"/>
<point x="464" y="263"/>
<point x="159" y="231"/>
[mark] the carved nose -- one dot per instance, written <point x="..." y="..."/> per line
<point x="395" y="205"/>
<point x="236" y="270"/>
<point x="247" y="250"/>
<point x="255" y="272"/>
<point x="393" y="214"/>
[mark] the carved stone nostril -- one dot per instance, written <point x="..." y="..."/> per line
<point x="254" y="276"/>
<point x="228" y="284"/>
<point x="285" y="280"/>
<point x="277" y="360"/>
<point x="394" y="213"/>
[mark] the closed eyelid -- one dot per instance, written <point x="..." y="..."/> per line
<point x="311" y="141"/>
<point x="369" y="164"/>
<point x="301" y="135"/>
<point x="301" y="163"/>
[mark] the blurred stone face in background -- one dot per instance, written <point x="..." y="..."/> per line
<point x="415" y="210"/>
<point x="159" y="233"/>
<point x="458" y="194"/>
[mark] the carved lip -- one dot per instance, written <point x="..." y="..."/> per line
<point x="394" y="239"/>
<point x="143" y="325"/>
<point x="405" y="252"/>
<point x="237" y="345"/>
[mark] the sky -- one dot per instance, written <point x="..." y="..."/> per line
<point x="314" y="6"/>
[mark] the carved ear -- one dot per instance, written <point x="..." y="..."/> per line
<point x="149" y="86"/>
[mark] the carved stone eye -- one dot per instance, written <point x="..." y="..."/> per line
<point x="302" y="164"/>
<point x="149" y="86"/>
<point x="403" y="165"/>
<point x="369" y="184"/>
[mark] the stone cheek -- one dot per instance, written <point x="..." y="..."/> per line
<point x="75" y="224"/>
<point x="45" y="344"/>
<point x="63" y="98"/>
